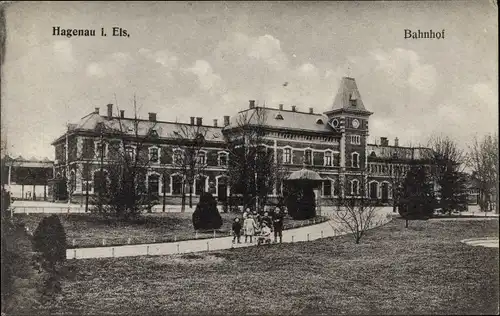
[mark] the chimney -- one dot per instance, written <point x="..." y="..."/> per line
<point x="252" y="104"/>
<point x="294" y="108"/>
<point x="215" y="122"/>
<point x="199" y="121"/>
<point x="311" y="111"/>
<point x="396" y="142"/>
<point x="226" y="120"/>
<point x="122" y="113"/>
<point x="384" y="141"/>
<point x="96" y="111"/>
<point x="281" y="107"/>
<point x="152" y="116"/>
<point x="192" y="120"/>
<point x="110" y="111"/>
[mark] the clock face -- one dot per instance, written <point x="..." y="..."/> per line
<point x="355" y="123"/>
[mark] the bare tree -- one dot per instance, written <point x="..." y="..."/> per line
<point x="483" y="160"/>
<point x="189" y="157"/>
<point x="447" y="167"/>
<point x="121" y="185"/>
<point x="356" y="213"/>
<point x="253" y="169"/>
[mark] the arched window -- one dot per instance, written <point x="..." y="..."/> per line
<point x="200" y="185"/>
<point x="327" y="188"/>
<point x="278" y="116"/>
<point x="336" y="187"/>
<point x="176" y="181"/>
<point x="154" y="184"/>
<point x="354" y="187"/>
<point x="355" y="160"/>
<point x="319" y="121"/>
<point x="373" y="190"/>
<point x="100" y="182"/>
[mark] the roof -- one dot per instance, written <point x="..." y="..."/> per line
<point x="127" y="126"/>
<point x="22" y="159"/>
<point x="348" y="92"/>
<point x="401" y="152"/>
<point x="305" y="174"/>
<point x="292" y="120"/>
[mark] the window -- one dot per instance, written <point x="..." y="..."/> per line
<point x="100" y="182"/>
<point x="201" y="158"/>
<point x="319" y="121"/>
<point x="308" y="157"/>
<point x="200" y="185"/>
<point x="177" y="156"/>
<point x="130" y="152"/>
<point x="153" y="133"/>
<point x="72" y="181"/>
<point x="154" y="184"/>
<point x="355" y="160"/>
<point x="287" y="155"/>
<point x="222" y="159"/>
<point x="328" y="158"/>
<point x="356" y="139"/>
<point x="354" y="187"/>
<point x="336" y="188"/>
<point x="176" y="184"/>
<point x="154" y="155"/>
<point x="327" y="188"/>
<point x="100" y="149"/>
<point x="278" y="116"/>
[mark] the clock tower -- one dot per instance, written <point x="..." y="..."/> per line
<point x="349" y="117"/>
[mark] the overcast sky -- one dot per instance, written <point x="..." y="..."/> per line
<point x="208" y="59"/>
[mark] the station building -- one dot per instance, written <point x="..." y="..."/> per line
<point x="332" y="142"/>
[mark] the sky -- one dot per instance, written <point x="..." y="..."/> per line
<point x="208" y="59"/>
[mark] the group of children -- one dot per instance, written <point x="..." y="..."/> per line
<point x="259" y="225"/>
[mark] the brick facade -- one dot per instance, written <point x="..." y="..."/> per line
<point x="334" y="144"/>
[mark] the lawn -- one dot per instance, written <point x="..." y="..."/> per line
<point x="424" y="269"/>
<point x="84" y="230"/>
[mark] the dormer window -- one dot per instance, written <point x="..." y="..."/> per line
<point x="319" y="121"/>
<point x="278" y="116"/>
<point x="352" y="99"/>
<point x="153" y="133"/>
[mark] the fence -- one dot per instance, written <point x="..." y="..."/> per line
<point x="180" y="247"/>
<point x="72" y="208"/>
<point x="152" y="239"/>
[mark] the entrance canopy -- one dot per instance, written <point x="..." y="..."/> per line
<point x="304" y="175"/>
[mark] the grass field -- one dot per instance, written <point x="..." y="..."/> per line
<point x="89" y="231"/>
<point x="424" y="269"/>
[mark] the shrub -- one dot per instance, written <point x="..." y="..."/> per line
<point x="206" y="215"/>
<point x="301" y="203"/>
<point x="49" y="240"/>
<point x="21" y="283"/>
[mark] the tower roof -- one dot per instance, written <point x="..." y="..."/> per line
<point x="348" y="97"/>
